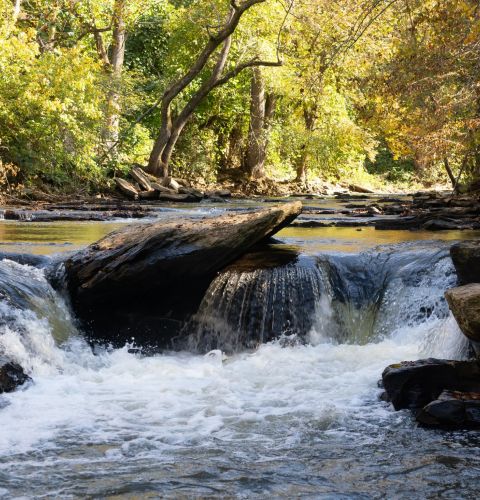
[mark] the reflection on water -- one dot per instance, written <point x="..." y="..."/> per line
<point x="51" y="237"/>
<point x="350" y="239"/>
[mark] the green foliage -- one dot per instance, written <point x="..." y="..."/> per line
<point x="390" y="103"/>
<point x="394" y="170"/>
<point x="49" y="110"/>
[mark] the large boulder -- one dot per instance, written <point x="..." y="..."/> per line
<point x="464" y="302"/>
<point x="414" y="384"/>
<point x="161" y="270"/>
<point x="466" y="258"/>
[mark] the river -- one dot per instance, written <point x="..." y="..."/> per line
<point x="292" y="418"/>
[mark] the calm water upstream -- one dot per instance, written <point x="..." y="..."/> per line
<point x="288" y="419"/>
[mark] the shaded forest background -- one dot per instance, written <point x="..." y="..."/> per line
<point x="383" y="93"/>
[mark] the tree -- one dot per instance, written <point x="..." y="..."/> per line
<point x="262" y="108"/>
<point x="114" y="66"/>
<point x="220" y="43"/>
<point x="425" y="95"/>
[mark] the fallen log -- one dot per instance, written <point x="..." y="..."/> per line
<point x="171" y="183"/>
<point x="162" y="189"/>
<point x="126" y="188"/>
<point x="141" y="177"/>
<point x="162" y="269"/>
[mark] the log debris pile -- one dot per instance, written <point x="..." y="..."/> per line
<point x="144" y="186"/>
<point x="434" y="211"/>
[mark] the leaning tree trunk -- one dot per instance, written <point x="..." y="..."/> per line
<point x="449" y="171"/>
<point x="171" y="129"/>
<point x="262" y="107"/>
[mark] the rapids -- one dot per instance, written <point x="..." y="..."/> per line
<point x="297" y="416"/>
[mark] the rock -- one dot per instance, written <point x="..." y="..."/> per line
<point x="141" y="177"/>
<point x="414" y="384"/>
<point x="466" y="259"/>
<point x="171" y="183"/>
<point x="162" y="267"/>
<point x="126" y="188"/>
<point x="452" y="409"/>
<point x="219" y="193"/>
<point x="359" y="189"/>
<point x="148" y="195"/>
<point x="177" y="198"/>
<point x="11" y="377"/>
<point x="464" y="302"/>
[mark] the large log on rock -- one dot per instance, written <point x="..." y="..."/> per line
<point x="466" y="259"/>
<point x="464" y="302"/>
<point x="164" y="266"/>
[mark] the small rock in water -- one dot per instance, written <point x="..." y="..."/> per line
<point x="217" y="354"/>
<point x="12" y="376"/>
<point x="452" y="408"/>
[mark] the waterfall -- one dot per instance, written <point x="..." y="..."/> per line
<point x="35" y="320"/>
<point x="245" y="308"/>
<point x="344" y="298"/>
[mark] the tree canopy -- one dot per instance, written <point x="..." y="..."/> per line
<point x="383" y="92"/>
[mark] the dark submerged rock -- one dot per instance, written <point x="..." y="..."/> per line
<point x="11" y="377"/>
<point x="452" y="409"/>
<point x="414" y="384"/>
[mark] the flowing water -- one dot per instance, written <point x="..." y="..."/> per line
<point x="294" y="417"/>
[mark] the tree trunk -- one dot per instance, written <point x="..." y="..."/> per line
<point x="16" y="10"/>
<point x="449" y="171"/>
<point x="301" y="167"/>
<point x="235" y="147"/>
<point x="262" y="108"/>
<point x="113" y="106"/>
<point x="170" y="130"/>
<point x="309" y="117"/>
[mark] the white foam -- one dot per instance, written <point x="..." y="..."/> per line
<point x="176" y="400"/>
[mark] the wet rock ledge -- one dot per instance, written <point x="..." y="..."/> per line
<point x="445" y="393"/>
